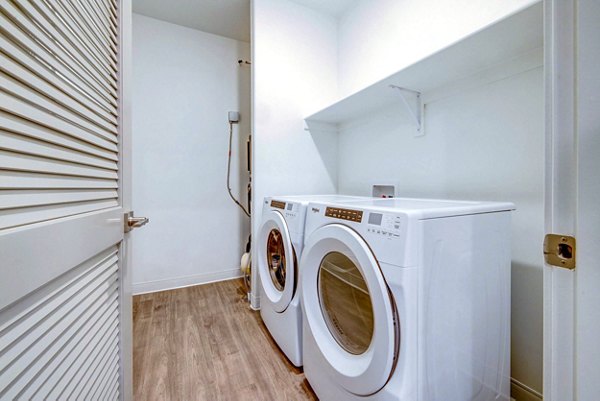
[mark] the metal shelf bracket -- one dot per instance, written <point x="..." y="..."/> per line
<point x="414" y="106"/>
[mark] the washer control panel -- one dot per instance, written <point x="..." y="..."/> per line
<point x="278" y="204"/>
<point x="291" y="211"/>
<point x="344" y="214"/>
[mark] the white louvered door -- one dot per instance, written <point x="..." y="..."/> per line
<point x="65" y="297"/>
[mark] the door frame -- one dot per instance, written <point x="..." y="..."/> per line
<point x="587" y="294"/>
<point x="560" y="199"/>
<point x="570" y="197"/>
<point x="125" y="195"/>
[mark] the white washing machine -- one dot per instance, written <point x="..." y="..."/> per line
<point x="407" y="300"/>
<point x="280" y="241"/>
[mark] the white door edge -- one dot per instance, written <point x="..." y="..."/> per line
<point x="125" y="176"/>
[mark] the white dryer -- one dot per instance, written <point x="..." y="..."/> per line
<point x="280" y="241"/>
<point x="407" y="300"/>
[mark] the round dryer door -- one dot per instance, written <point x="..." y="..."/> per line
<point x="276" y="261"/>
<point x="349" y="309"/>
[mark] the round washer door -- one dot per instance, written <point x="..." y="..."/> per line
<point x="348" y="309"/>
<point x="276" y="261"/>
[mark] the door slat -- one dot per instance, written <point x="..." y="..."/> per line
<point x="19" y="126"/>
<point x="74" y="15"/>
<point x="20" y="180"/>
<point x="16" y="24"/>
<point x="25" y="145"/>
<point x="20" y="91"/>
<point x="19" y="162"/>
<point x="28" y="53"/>
<point x="28" y="110"/>
<point x="77" y="104"/>
<point x="12" y="199"/>
<point x="47" y="22"/>
<point x="46" y="332"/>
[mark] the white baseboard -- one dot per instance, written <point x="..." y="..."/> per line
<point x="185" y="281"/>
<point x="521" y="392"/>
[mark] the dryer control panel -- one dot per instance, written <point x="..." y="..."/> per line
<point x="384" y="224"/>
<point x="344" y="214"/>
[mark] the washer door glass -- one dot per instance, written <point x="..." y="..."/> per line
<point x="346" y="303"/>
<point x="276" y="258"/>
<point x="276" y="262"/>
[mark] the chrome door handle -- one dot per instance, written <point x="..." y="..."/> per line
<point x="135" y="222"/>
<point x="132" y="222"/>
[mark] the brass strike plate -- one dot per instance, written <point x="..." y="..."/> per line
<point x="560" y="250"/>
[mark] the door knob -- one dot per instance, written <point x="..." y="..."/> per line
<point x="131" y="222"/>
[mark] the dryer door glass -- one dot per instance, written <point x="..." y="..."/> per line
<point x="276" y="258"/>
<point x="346" y="303"/>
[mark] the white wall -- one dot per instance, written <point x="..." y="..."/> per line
<point x="484" y="143"/>
<point x="185" y="82"/>
<point x="380" y="37"/>
<point x="294" y="71"/>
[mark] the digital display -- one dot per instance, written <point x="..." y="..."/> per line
<point x="375" y="218"/>
<point x="290" y="206"/>
<point x="278" y="204"/>
<point x="344" y="214"/>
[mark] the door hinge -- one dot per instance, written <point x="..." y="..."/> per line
<point x="560" y="250"/>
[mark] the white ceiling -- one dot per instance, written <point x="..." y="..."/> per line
<point x="334" y="8"/>
<point x="229" y="18"/>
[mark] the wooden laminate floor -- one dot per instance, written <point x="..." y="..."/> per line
<point x="204" y="343"/>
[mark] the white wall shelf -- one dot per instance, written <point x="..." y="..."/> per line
<point x="508" y="38"/>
